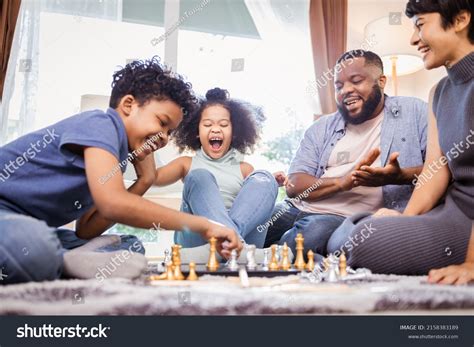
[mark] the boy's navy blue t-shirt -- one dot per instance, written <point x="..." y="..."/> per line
<point x="41" y="178"/>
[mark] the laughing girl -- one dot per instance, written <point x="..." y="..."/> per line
<point x="217" y="183"/>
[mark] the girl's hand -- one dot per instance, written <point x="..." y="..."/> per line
<point x="145" y="169"/>
<point x="227" y="239"/>
<point x="281" y="178"/>
<point x="385" y="212"/>
<point x="454" y="274"/>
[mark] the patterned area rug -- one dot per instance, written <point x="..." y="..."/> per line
<point x="226" y="296"/>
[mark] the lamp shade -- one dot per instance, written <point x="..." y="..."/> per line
<point x="390" y="37"/>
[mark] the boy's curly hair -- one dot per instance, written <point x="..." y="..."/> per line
<point x="246" y="122"/>
<point x="149" y="80"/>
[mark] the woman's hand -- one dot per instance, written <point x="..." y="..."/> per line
<point x="385" y="212"/>
<point x="454" y="274"/>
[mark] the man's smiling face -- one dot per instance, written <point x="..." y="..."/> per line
<point x="359" y="90"/>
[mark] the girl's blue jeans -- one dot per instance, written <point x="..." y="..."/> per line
<point x="252" y="207"/>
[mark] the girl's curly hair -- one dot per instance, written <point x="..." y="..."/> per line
<point x="246" y="122"/>
<point x="149" y="79"/>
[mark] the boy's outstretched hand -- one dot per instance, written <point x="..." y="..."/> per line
<point x="454" y="274"/>
<point x="227" y="239"/>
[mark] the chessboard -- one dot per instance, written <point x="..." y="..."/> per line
<point x="333" y="269"/>
<point x="223" y="270"/>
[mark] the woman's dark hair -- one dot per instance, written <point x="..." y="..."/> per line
<point x="448" y="9"/>
<point x="150" y="80"/>
<point x="246" y="122"/>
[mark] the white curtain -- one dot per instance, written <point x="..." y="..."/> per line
<point x="19" y="101"/>
<point x="284" y="26"/>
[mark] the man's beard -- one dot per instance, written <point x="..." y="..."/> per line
<point x="367" y="109"/>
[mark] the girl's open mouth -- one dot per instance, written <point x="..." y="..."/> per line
<point x="216" y="143"/>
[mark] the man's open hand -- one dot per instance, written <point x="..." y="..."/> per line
<point x="369" y="176"/>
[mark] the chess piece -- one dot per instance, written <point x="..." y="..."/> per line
<point x="169" y="271"/>
<point x="160" y="277"/>
<point x="343" y="265"/>
<point x="212" y="263"/>
<point x="274" y="263"/>
<point x="251" y="263"/>
<point x="278" y="254"/>
<point x="299" y="261"/>
<point x="265" y="260"/>
<point x="310" y="263"/>
<point x="176" y="257"/>
<point x="192" y="272"/>
<point x="232" y="264"/>
<point x="285" y="261"/>
<point x="166" y="275"/>
<point x="359" y="274"/>
<point x="332" y="272"/>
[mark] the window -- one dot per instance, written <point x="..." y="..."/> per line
<point x="259" y="50"/>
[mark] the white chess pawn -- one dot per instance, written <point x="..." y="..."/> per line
<point x="266" y="261"/>
<point x="278" y="253"/>
<point x="232" y="264"/>
<point x="332" y="274"/>
<point x="251" y="263"/>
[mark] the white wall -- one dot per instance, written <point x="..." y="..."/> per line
<point x="362" y="12"/>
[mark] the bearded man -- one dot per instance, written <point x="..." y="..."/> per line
<point x="357" y="160"/>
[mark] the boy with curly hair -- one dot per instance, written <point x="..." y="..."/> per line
<point x="72" y="170"/>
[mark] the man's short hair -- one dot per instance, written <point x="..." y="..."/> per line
<point x="370" y="57"/>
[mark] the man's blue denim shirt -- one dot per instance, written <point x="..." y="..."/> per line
<point x="404" y="130"/>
